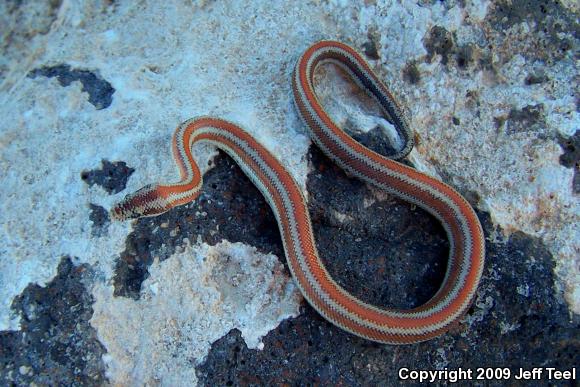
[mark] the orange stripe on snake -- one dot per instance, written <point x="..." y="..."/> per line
<point x="386" y="325"/>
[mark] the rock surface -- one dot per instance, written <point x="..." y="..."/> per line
<point x="90" y="93"/>
<point x="516" y="320"/>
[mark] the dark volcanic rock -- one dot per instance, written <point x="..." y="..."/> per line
<point x="56" y="345"/>
<point x="100" y="218"/>
<point x="547" y="19"/>
<point x="440" y="42"/>
<point x="112" y="176"/>
<point x="571" y="157"/>
<point x="362" y="240"/>
<point x="99" y="90"/>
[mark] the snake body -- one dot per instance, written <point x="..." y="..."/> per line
<point x="385" y="325"/>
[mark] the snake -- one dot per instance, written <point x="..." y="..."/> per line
<point x="380" y="324"/>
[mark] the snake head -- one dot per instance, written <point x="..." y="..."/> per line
<point x="146" y="201"/>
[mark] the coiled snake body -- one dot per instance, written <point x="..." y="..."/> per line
<point x="385" y="325"/>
